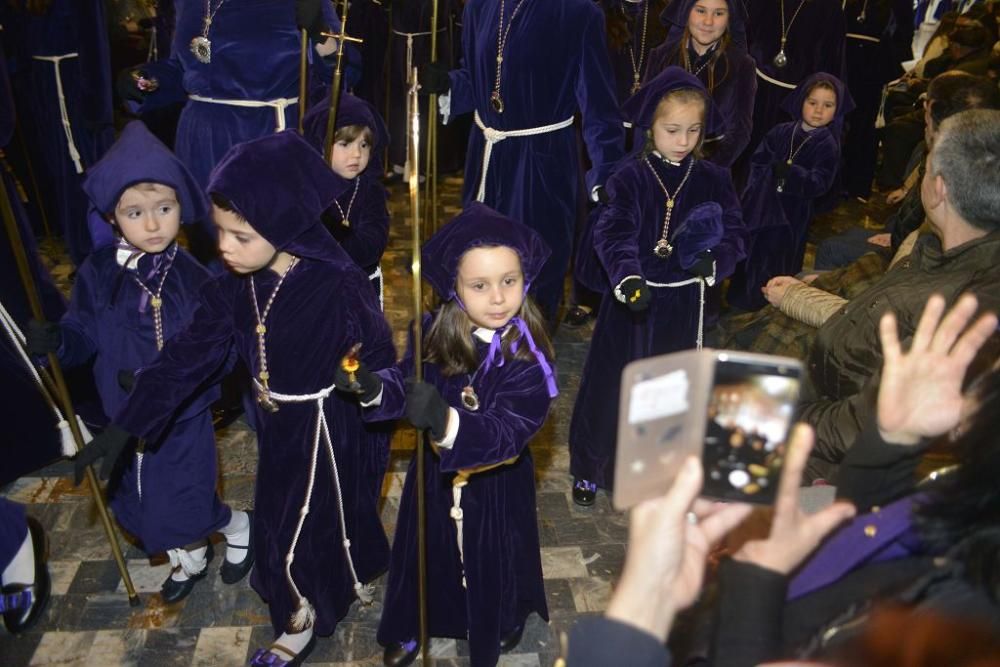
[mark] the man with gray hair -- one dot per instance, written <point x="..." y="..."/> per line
<point x="960" y="193"/>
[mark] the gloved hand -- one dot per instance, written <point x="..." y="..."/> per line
<point x="42" y="337"/>
<point x="434" y="79"/>
<point x="602" y="195"/>
<point x="705" y="266"/>
<point x="126" y="379"/>
<point x="309" y="17"/>
<point x="132" y="85"/>
<point x="108" y="445"/>
<point x="426" y="409"/>
<point x="781" y="169"/>
<point x="636" y="293"/>
<point x="366" y="385"/>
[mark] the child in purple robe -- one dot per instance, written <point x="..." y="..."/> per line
<point x="293" y="304"/>
<point x="128" y="300"/>
<point x="359" y="218"/>
<point x="488" y="383"/>
<point x="794" y="165"/>
<point x="670" y="233"/>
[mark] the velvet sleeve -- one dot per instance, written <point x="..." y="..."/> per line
<point x="188" y="362"/>
<point x="365" y="240"/>
<point x="393" y="400"/>
<point x="603" y="132"/>
<point x="739" y="114"/>
<point x="617" y="230"/>
<point x="499" y="430"/>
<point x="169" y="74"/>
<point x="78" y="325"/>
<point x="814" y="179"/>
<point x="748" y="617"/>
<point x="732" y="247"/>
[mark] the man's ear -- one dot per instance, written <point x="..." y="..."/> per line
<point x="940" y="189"/>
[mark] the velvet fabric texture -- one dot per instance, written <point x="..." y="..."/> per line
<point x="815" y="44"/>
<point x="635" y="52"/>
<point x="13" y="531"/>
<point x="370" y="20"/>
<point x="555" y="65"/>
<point x="501" y="562"/>
<point x="67" y="27"/>
<point x="624" y="237"/>
<point x="735" y="81"/>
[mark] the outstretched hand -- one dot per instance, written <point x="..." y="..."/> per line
<point x="107" y="446"/>
<point x="920" y="395"/>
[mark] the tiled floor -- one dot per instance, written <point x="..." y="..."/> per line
<point x="89" y="621"/>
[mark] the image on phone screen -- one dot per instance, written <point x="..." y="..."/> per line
<point x="749" y="412"/>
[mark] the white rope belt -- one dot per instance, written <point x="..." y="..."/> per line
<point x="701" y="300"/>
<point x="494" y="136"/>
<point x="867" y="38"/>
<point x="279" y="105"/>
<point x="304" y="615"/>
<point x="789" y="86"/>
<point x="409" y="44"/>
<point x="457" y="516"/>
<point x="377" y="275"/>
<point x="74" y="154"/>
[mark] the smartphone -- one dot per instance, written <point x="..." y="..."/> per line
<point x="731" y="409"/>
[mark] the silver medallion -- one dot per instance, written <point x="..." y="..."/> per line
<point x="201" y="47"/>
<point x="663" y="249"/>
<point x="496" y="102"/>
<point x="781" y="59"/>
<point x="469" y="399"/>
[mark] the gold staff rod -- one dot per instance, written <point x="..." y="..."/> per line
<point x="331" y="121"/>
<point x="413" y="178"/>
<point x="34" y="181"/>
<point x="62" y="392"/>
<point x="431" y="219"/>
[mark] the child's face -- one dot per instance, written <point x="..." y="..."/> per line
<point x="491" y="285"/>
<point x="242" y="248"/>
<point x="149" y="216"/>
<point x="350" y="158"/>
<point x="819" y="107"/>
<point x="677" y="129"/>
<point x="708" y="21"/>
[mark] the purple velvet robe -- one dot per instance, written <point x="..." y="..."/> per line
<point x="624" y="238"/>
<point x="779" y="221"/>
<point x="110" y="321"/>
<point x="255" y="56"/>
<point x="622" y="64"/>
<point x="13" y="530"/>
<point x="367" y="235"/>
<point x="815" y="44"/>
<point x="555" y="65"/>
<point x="502" y="556"/>
<point x="733" y="93"/>
<point x="369" y="20"/>
<point x="67" y="27"/>
<point x="323" y="308"/>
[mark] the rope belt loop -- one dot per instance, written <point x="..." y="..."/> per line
<point x="702" y="282"/>
<point x="74" y="154"/>
<point x="409" y="44"/>
<point x="377" y="275"/>
<point x="458" y="517"/>
<point x="279" y="105"/>
<point x="782" y="84"/>
<point x="494" y="136"/>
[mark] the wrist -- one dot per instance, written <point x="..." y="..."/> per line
<point x="752" y="554"/>
<point x="898" y="437"/>
<point x="635" y="605"/>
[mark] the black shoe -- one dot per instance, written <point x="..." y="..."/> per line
<point x="268" y="658"/>
<point x="511" y="639"/>
<point x="174" y="591"/>
<point x="577" y="316"/>
<point x="22" y="620"/>
<point x="584" y="492"/>
<point x="230" y="573"/>
<point x="400" y="654"/>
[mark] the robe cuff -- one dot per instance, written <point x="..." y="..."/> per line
<point x="450" y="433"/>
<point x="593" y="193"/>
<point x="618" y="288"/>
<point x="375" y="402"/>
<point x="444" y="107"/>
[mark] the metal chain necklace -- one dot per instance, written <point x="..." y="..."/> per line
<point x="345" y="217"/>
<point x="155" y="299"/>
<point x="781" y="60"/>
<point x="663" y="249"/>
<point x="637" y="64"/>
<point x="201" y="45"/>
<point x="502" y="33"/>
<point x="688" y="64"/>
<point x="264" y="395"/>
<point x="792" y="152"/>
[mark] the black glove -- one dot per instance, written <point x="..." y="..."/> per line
<point x="705" y="266"/>
<point x="781" y="169"/>
<point x="126" y="379"/>
<point x="636" y="293"/>
<point x="133" y="86"/>
<point x="43" y="337"/>
<point x="434" y="79"/>
<point x="602" y="195"/>
<point x="425" y="408"/>
<point x="108" y="445"/>
<point x="309" y="17"/>
<point x="366" y="384"/>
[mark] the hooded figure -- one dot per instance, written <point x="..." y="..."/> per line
<point x="705" y="227"/>
<point x="792" y="167"/>
<point x="358" y="218"/>
<point x="726" y="70"/>
<point x="324" y="306"/>
<point x="482" y="536"/>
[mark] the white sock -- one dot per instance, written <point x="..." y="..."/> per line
<point x="237" y="534"/>
<point x="190" y="562"/>
<point x="21" y="569"/>
<point x="293" y="642"/>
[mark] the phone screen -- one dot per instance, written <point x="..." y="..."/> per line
<point x="750" y="409"/>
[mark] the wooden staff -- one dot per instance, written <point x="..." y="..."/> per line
<point x="303" y="77"/>
<point x="431" y="220"/>
<point x="62" y="392"/>
<point x="413" y="178"/>
<point x="331" y="121"/>
<point x="34" y="182"/>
